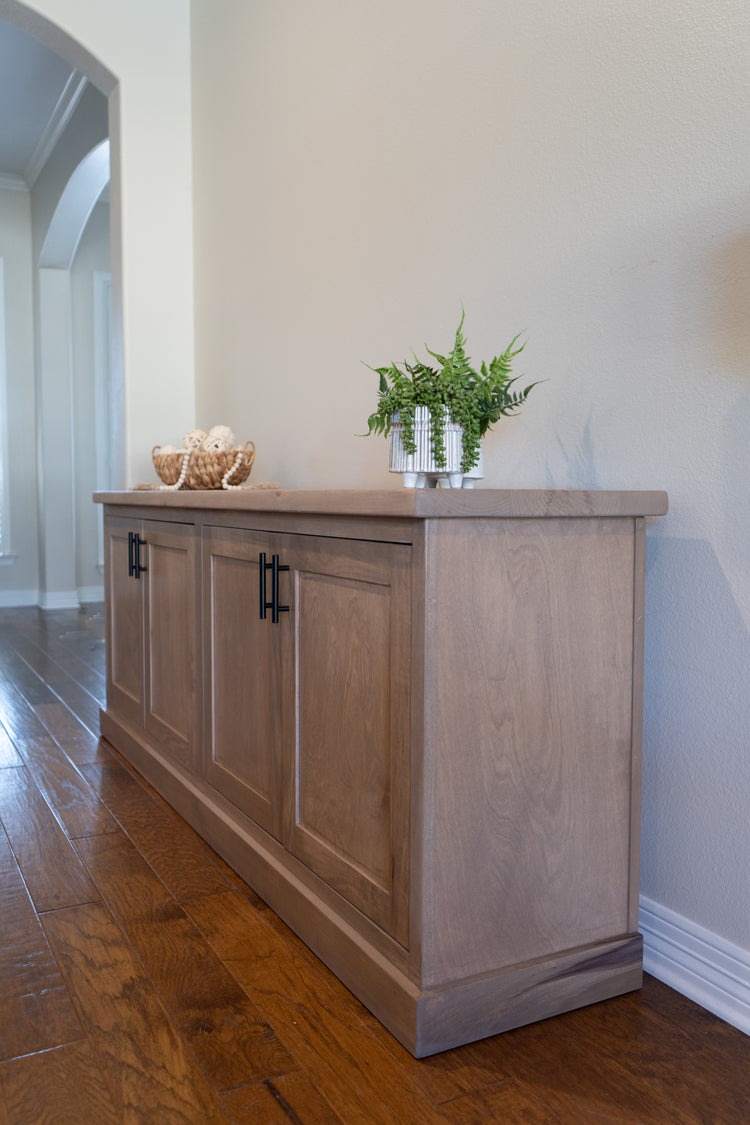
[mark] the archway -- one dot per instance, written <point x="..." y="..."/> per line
<point x="58" y="584"/>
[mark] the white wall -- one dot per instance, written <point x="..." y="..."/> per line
<point x="92" y="258"/>
<point x="18" y="582"/>
<point x="139" y="55"/>
<point x="578" y="171"/>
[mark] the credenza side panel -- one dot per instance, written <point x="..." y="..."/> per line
<point x="529" y="703"/>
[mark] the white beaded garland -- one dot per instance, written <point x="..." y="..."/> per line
<point x="183" y="473"/>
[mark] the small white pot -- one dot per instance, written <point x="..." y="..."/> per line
<point x="419" y="468"/>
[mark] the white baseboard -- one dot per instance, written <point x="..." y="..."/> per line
<point x="58" y="599"/>
<point x="697" y="963"/>
<point x="15" y="599"/>
<point x="64" y="599"/>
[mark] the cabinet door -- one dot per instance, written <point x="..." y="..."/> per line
<point x="124" y="624"/>
<point x="348" y="818"/>
<point x="243" y="676"/>
<point x="172" y="704"/>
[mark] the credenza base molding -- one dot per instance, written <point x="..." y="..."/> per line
<point x="425" y="1021"/>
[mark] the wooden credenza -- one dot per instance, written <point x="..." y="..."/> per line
<point x="411" y="720"/>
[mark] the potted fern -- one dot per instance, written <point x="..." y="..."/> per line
<point x="436" y="415"/>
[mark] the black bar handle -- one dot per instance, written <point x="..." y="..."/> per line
<point x="264" y="605"/>
<point x="131" y="564"/>
<point x="276" y="609"/>
<point x="273" y="605"/>
<point x="137" y="544"/>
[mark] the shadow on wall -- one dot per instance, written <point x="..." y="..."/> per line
<point x="579" y="462"/>
<point x="696" y="790"/>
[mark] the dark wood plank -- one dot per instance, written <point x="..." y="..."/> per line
<point x="51" y="867"/>
<point x="512" y="1103"/>
<point x="181" y="859"/>
<point x="19" y="718"/>
<point x="35" y="1009"/>
<point x="42" y="680"/>
<point x="75" y="804"/>
<point x="75" y="639"/>
<point x="144" y="1061"/>
<point x="61" y="652"/>
<point x="655" y="1045"/>
<point x="9" y="756"/>
<point x="583" y="1078"/>
<point x="279" y="1101"/>
<point x="313" y="1015"/>
<point x="63" y="1086"/>
<point x="459" y="1071"/>
<point x="76" y="740"/>
<point x="232" y="1040"/>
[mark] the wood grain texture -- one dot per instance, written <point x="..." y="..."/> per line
<point x="8" y="754"/>
<point x="77" y="807"/>
<point x="176" y="852"/>
<point x="480" y="1007"/>
<point x="35" y="1010"/>
<point x="79" y="743"/>
<point x="406" y="502"/>
<point x="350" y="766"/>
<point x="142" y="1057"/>
<point x="124" y="623"/>
<point x="50" y="865"/>
<point x="527" y="767"/>
<point x="46" y="679"/>
<point x="64" y="1086"/>
<point x="172" y="695"/>
<point x="279" y="1101"/>
<point x="313" y="1015"/>
<point x="231" y="1039"/>
<point x="244" y="663"/>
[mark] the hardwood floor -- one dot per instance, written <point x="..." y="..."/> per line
<point x="141" y="981"/>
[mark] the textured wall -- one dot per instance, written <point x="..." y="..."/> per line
<point x="578" y="171"/>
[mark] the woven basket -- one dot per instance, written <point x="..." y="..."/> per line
<point x="204" y="469"/>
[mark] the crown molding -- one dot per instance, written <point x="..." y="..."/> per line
<point x="53" y="130"/>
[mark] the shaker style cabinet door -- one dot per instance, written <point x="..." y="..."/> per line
<point x="349" y="803"/>
<point x="151" y="624"/>
<point x="308" y="716"/>
<point x="243" y="676"/>
<point x="171" y="612"/>
<point x="124" y="623"/>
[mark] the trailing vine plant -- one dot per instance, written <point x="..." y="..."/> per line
<point x="452" y="390"/>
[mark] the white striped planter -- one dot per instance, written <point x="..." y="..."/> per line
<point x="419" y="468"/>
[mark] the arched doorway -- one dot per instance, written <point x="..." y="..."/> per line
<point x="59" y="582"/>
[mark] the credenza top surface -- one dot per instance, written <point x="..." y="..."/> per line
<point x="409" y="503"/>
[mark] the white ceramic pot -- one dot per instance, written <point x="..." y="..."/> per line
<point x="419" y="469"/>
